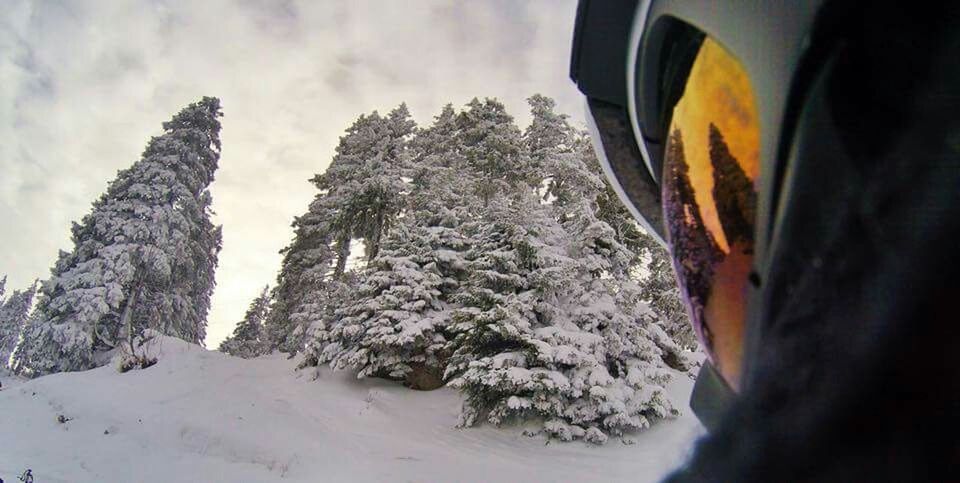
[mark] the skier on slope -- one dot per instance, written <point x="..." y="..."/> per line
<point x="801" y="161"/>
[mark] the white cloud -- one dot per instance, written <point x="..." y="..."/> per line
<point x="83" y="85"/>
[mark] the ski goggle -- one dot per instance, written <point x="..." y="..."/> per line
<point x="703" y="207"/>
<point x="709" y="199"/>
<point x="692" y="110"/>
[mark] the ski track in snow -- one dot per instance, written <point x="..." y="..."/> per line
<point x="200" y="415"/>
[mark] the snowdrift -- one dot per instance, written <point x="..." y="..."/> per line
<point x="199" y="415"/>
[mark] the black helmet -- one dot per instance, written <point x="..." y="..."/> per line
<point x="762" y="143"/>
<point x="678" y="134"/>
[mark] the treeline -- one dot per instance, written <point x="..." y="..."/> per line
<point x="492" y="260"/>
<point x="496" y="261"/>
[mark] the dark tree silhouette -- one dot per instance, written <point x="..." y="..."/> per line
<point x="695" y="250"/>
<point x="733" y="192"/>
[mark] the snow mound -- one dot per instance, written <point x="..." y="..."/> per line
<point x="199" y="415"/>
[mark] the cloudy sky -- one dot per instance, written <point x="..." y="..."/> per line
<point x="83" y="85"/>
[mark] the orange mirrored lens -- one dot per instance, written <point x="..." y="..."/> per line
<point x="711" y="166"/>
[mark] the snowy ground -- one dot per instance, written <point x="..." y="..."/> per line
<point x="203" y="416"/>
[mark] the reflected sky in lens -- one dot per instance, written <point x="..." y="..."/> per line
<point x="719" y="92"/>
<point x="709" y="198"/>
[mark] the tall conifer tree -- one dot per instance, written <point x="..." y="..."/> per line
<point x="248" y="338"/>
<point x="144" y="257"/>
<point x="304" y="272"/>
<point x="13" y="317"/>
<point x="361" y="196"/>
<point x="395" y="325"/>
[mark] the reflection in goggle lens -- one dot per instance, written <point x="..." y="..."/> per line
<point x="709" y="200"/>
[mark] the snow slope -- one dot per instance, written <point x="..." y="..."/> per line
<point x="204" y="416"/>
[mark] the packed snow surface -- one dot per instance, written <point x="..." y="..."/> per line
<point x="200" y="415"/>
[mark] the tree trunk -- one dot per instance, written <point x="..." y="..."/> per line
<point x="126" y="318"/>
<point x="377" y="236"/>
<point x="343" y="252"/>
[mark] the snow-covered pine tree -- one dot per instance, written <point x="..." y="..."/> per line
<point x="436" y="145"/>
<point x="548" y="140"/>
<point x="144" y="257"/>
<point x="360" y="197"/>
<point x="395" y="328"/>
<point x="499" y="310"/>
<point x="490" y="142"/>
<point x="495" y="318"/>
<point x="381" y="198"/>
<point x="636" y="259"/>
<point x="651" y="267"/>
<point x="552" y="325"/>
<point x="304" y="272"/>
<point x="324" y="230"/>
<point x="13" y="316"/>
<point x="658" y="287"/>
<point x="321" y="314"/>
<point x="553" y="143"/>
<point x="315" y="309"/>
<point x="364" y="181"/>
<point x="248" y="338"/>
<point x="395" y="325"/>
<point x="444" y="185"/>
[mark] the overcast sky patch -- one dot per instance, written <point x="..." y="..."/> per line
<point x="83" y="86"/>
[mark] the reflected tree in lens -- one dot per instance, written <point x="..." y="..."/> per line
<point x="710" y="201"/>
<point x="733" y="193"/>
<point x="735" y="203"/>
<point x="695" y="251"/>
